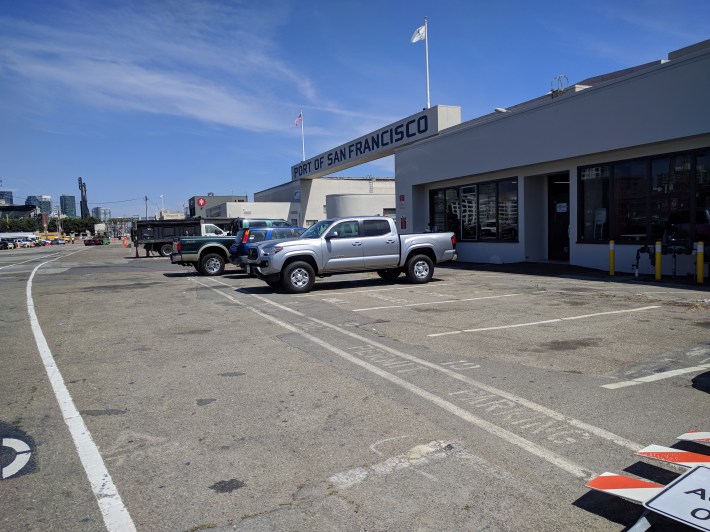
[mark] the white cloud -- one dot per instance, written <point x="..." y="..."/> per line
<point x="178" y="62"/>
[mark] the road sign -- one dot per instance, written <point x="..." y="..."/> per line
<point x="201" y="202"/>
<point x="686" y="499"/>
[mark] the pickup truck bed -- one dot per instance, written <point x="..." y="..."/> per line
<point x="207" y="254"/>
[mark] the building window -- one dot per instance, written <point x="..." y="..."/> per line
<point x="663" y="198"/>
<point x="594" y="193"/>
<point x="485" y="211"/>
<point x="508" y="210"/>
<point x="469" y="213"/>
<point x="630" y="197"/>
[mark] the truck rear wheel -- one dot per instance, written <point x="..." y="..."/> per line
<point x="298" y="277"/>
<point x="211" y="264"/>
<point x="419" y="269"/>
<point x="390" y="274"/>
<point x="166" y="250"/>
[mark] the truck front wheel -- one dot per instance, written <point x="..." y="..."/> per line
<point x="419" y="269"/>
<point x="212" y="264"/>
<point x="166" y="250"/>
<point x="298" y="278"/>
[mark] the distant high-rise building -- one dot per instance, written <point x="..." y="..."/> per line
<point x="44" y="203"/>
<point x="101" y="213"/>
<point x="67" y="204"/>
<point x="7" y="196"/>
<point x="32" y="200"/>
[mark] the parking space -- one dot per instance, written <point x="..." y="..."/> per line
<point x="231" y="395"/>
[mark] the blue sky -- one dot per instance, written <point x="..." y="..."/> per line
<point x="180" y="98"/>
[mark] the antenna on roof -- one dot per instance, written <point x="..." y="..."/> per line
<point x="561" y="86"/>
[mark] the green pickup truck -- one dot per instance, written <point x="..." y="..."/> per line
<point x="209" y="254"/>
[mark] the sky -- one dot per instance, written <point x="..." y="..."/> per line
<point x="171" y="99"/>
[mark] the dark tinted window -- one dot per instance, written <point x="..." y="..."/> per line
<point x="285" y="233"/>
<point x="376" y="227"/>
<point x="258" y="235"/>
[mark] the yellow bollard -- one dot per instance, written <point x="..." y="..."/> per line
<point x="612" y="258"/>
<point x="700" y="262"/>
<point x="658" y="261"/>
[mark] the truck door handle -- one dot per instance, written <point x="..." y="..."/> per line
<point x="357" y="243"/>
<point x="391" y="241"/>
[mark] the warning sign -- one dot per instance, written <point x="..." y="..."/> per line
<point x="686" y="499"/>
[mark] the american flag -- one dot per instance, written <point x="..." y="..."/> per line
<point x="298" y="120"/>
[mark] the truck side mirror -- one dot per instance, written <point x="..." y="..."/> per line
<point x="331" y="234"/>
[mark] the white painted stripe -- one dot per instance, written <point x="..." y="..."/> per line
<point x="115" y="515"/>
<point x="433" y="302"/>
<point x="531" y="447"/>
<point x="388" y="289"/>
<point x="554" y="320"/>
<point x="597" y="431"/>
<point x="420" y="455"/>
<point x="490" y="427"/>
<point x="656" y="377"/>
<point x="29" y="260"/>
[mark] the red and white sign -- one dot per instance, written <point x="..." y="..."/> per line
<point x="201" y="202"/>
<point x="632" y="489"/>
<point x="674" y="456"/>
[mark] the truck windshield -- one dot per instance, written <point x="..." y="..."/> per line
<point x="317" y="229"/>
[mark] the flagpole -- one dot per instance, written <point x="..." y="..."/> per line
<point x="426" y="48"/>
<point x="303" y="140"/>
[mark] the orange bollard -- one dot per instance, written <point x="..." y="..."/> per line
<point x="612" y="258"/>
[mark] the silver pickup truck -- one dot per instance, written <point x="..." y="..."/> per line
<point x="347" y="245"/>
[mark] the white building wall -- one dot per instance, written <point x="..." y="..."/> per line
<point x="306" y="198"/>
<point x="253" y="210"/>
<point x="658" y="110"/>
<point x="359" y="204"/>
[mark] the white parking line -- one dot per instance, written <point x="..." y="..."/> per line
<point x="434" y="302"/>
<point x="554" y="320"/>
<point x="347" y="292"/>
<point x="115" y="515"/>
<point x="29" y="260"/>
<point x="656" y="377"/>
<point x="531" y="447"/>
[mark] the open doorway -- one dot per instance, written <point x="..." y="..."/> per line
<point x="558" y="210"/>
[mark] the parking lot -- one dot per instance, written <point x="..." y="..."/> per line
<point x="483" y="400"/>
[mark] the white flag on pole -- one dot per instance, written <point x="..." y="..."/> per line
<point x="420" y="34"/>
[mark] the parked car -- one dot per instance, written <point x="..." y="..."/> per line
<point x="9" y="244"/>
<point x="247" y="239"/>
<point x="58" y="242"/>
<point x="3" y="244"/>
<point x="348" y="245"/>
<point x="96" y="241"/>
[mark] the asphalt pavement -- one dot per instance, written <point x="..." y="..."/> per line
<point x="152" y="397"/>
